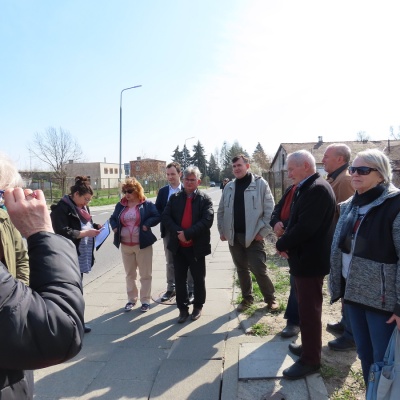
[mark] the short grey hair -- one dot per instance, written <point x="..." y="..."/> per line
<point x="192" y="170"/>
<point x="379" y="160"/>
<point x="341" y="149"/>
<point x="9" y="175"/>
<point x="301" y="156"/>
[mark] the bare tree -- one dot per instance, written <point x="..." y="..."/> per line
<point x="362" y="136"/>
<point x="56" y="148"/>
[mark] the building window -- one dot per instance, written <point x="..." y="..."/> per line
<point x="115" y="170"/>
<point x="105" y="170"/>
<point x="137" y="167"/>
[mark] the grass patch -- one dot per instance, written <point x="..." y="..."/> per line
<point x="260" y="329"/>
<point x="329" y="372"/>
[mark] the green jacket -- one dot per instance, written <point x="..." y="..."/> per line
<point x="15" y="253"/>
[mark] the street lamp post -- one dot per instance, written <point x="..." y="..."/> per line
<point x="120" y="130"/>
<point x="186" y="149"/>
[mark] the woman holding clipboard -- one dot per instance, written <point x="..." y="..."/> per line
<point x="71" y="218"/>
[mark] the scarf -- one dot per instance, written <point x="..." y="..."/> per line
<point x="83" y="214"/>
<point x="359" y="200"/>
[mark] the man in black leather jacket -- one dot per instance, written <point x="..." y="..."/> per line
<point x="188" y="217"/>
<point x="40" y="325"/>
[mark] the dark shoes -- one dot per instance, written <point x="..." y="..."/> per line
<point x="290" y="330"/>
<point x="87" y="329"/>
<point x="342" y="344"/>
<point x="244" y="305"/>
<point x="191" y="297"/>
<point x="129" y="306"/>
<point x="296" y="349"/>
<point x="196" y="314"/>
<point x="300" y="370"/>
<point x="337" y="327"/>
<point x="183" y="316"/>
<point x="167" y="295"/>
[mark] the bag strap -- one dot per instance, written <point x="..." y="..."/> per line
<point x="388" y="359"/>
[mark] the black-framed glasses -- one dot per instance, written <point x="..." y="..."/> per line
<point x="361" y="170"/>
<point x="130" y="191"/>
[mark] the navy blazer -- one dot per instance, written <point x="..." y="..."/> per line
<point x="161" y="203"/>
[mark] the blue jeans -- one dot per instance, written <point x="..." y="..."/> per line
<point x="348" y="332"/>
<point x="371" y="334"/>
<point x="292" y="306"/>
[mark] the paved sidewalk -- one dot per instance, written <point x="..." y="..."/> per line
<point x="145" y="356"/>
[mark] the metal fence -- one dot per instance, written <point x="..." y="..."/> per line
<point x="102" y="188"/>
<point x="278" y="183"/>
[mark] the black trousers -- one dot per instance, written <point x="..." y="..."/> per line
<point x="184" y="259"/>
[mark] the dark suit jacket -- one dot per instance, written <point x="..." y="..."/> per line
<point x="161" y="202"/>
<point x="309" y="232"/>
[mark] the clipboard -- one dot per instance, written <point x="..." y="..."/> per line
<point x="103" y="235"/>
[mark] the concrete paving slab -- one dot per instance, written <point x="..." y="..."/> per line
<point x="206" y="325"/>
<point x="113" y="389"/>
<point x="190" y="380"/>
<point x="77" y="374"/>
<point x="133" y="363"/>
<point x="264" y="360"/>
<point x="97" y="347"/>
<point x="100" y="298"/>
<point x="208" y="347"/>
<point x="268" y="389"/>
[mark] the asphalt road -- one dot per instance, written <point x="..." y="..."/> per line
<point x="108" y="256"/>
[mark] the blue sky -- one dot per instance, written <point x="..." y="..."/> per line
<point x="265" y="71"/>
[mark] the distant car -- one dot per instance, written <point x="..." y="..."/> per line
<point x="212" y="184"/>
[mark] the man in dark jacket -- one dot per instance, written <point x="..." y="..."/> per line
<point x="41" y="325"/>
<point x="306" y="244"/>
<point x="174" y="174"/>
<point x="188" y="217"/>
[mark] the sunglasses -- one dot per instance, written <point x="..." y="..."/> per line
<point x="130" y="191"/>
<point x="361" y="170"/>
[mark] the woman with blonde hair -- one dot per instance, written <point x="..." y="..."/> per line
<point x="131" y="223"/>
<point x="365" y="253"/>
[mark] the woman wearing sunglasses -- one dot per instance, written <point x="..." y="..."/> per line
<point x="365" y="256"/>
<point x="131" y="223"/>
<point x="71" y="218"/>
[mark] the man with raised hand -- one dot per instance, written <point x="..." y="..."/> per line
<point x="41" y="325"/>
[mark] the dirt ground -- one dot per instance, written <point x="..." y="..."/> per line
<point x="341" y="371"/>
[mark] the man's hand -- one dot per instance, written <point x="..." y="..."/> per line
<point x="181" y="236"/>
<point x="28" y="211"/>
<point x="279" y="229"/>
<point x="283" y="254"/>
<point x="258" y="238"/>
<point x="223" y="238"/>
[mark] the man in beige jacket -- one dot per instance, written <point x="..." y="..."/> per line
<point x="243" y="220"/>
<point x="336" y="162"/>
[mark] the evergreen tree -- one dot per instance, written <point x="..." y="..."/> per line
<point x="225" y="162"/>
<point x="177" y="156"/>
<point x="198" y="158"/>
<point x="213" y="169"/>
<point x="260" y="158"/>
<point x="235" y="150"/>
<point x="185" y="157"/>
